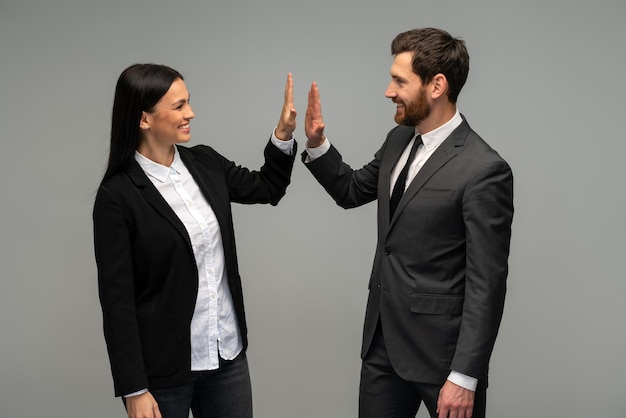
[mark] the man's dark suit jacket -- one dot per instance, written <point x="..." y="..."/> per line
<point x="439" y="276"/>
<point x="147" y="274"/>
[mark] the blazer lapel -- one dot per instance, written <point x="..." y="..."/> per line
<point x="154" y="198"/>
<point x="201" y="173"/>
<point x="202" y="176"/>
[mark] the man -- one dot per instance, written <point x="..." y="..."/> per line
<point x="439" y="277"/>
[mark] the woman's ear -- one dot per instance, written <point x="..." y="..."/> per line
<point x="144" y="122"/>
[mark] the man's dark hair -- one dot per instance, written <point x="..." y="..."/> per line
<point x="435" y="51"/>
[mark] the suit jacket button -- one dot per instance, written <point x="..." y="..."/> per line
<point x="387" y="251"/>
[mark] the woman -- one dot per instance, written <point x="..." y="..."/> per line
<point x="168" y="279"/>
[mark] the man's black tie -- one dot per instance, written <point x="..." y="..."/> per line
<point x="398" y="188"/>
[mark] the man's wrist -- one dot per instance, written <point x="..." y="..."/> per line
<point x="463" y="380"/>
<point x="316" y="152"/>
<point x="314" y="144"/>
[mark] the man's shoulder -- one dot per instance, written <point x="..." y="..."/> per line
<point x="401" y="131"/>
<point x="475" y="146"/>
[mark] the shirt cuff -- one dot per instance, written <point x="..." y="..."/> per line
<point x="285" y="146"/>
<point x="139" y="392"/>
<point x="313" y="153"/>
<point x="463" y="380"/>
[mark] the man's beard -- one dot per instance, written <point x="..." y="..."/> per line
<point x="414" y="112"/>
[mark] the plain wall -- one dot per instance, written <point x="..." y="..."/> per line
<point x="546" y="89"/>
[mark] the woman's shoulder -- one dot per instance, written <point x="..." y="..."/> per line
<point x="113" y="181"/>
<point x="196" y="150"/>
<point x="204" y="153"/>
<point x="120" y="182"/>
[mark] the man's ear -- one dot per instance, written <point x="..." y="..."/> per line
<point x="439" y="86"/>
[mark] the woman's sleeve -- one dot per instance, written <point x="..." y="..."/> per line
<point x="114" y="260"/>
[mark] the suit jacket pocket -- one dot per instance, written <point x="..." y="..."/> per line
<point x="432" y="304"/>
<point x="158" y="340"/>
<point x="426" y="192"/>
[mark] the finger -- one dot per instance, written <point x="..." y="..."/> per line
<point x="289" y="89"/>
<point x="314" y="94"/>
<point x="310" y="98"/>
<point x="315" y="103"/>
<point x="315" y="97"/>
<point x="309" y="107"/>
<point x="450" y="413"/>
<point x="318" y="103"/>
<point x="442" y="410"/>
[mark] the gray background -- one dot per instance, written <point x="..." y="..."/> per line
<point x="546" y="89"/>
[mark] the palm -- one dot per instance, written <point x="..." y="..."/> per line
<point x="314" y="123"/>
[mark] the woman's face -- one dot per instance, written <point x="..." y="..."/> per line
<point x="168" y="123"/>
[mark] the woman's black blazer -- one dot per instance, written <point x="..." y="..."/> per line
<point x="147" y="275"/>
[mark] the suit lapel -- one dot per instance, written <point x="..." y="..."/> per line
<point x="446" y="151"/>
<point x="392" y="155"/>
<point x="154" y="198"/>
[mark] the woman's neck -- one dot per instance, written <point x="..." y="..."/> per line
<point x="163" y="155"/>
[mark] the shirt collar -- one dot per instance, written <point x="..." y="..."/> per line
<point x="435" y="137"/>
<point x="156" y="170"/>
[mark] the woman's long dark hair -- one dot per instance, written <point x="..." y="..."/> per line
<point x="139" y="89"/>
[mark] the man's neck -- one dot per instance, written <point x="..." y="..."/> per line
<point x="439" y="115"/>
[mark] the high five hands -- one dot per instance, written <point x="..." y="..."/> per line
<point x="313" y="123"/>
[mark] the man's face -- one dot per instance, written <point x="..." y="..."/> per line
<point x="407" y="92"/>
